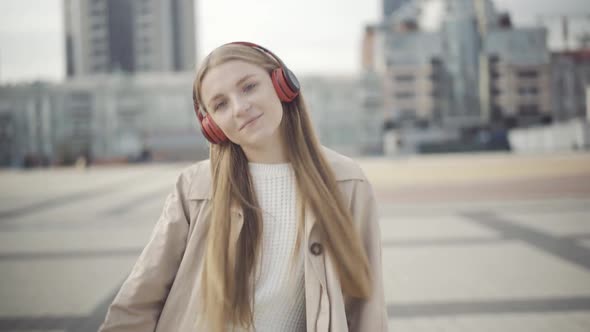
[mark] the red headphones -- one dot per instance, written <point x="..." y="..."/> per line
<point x="284" y="81"/>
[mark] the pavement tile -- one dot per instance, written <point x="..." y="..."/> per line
<point x="59" y="287"/>
<point x="440" y="227"/>
<point x="557" y="223"/>
<point x="479" y="272"/>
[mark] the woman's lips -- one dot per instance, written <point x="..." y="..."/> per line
<point x="250" y="121"/>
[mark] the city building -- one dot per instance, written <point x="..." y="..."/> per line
<point x="570" y="75"/>
<point x="515" y="82"/>
<point x="26" y="125"/>
<point x="104" y="36"/>
<point x="335" y="106"/>
<point x="463" y="74"/>
<point x="390" y="6"/>
<point x="371" y="90"/>
<point x="121" y="116"/>
<point x="103" y="118"/>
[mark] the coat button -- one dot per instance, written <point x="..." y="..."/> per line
<point x="316" y="249"/>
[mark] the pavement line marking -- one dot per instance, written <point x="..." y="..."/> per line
<point x="42" y="323"/>
<point x="561" y="247"/>
<point x="96" y="317"/>
<point x="453" y="241"/>
<point x="577" y="237"/>
<point x="136" y="202"/>
<point x="65" y="199"/>
<point x="28" y="256"/>
<point x="508" y="306"/>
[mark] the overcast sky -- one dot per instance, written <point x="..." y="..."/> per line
<point x="311" y="36"/>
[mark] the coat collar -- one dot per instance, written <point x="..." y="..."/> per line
<point x="200" y="188"/>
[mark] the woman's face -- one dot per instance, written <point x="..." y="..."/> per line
<point x="242" y="101"/>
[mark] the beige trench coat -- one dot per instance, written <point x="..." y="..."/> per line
<point x="162" y="291"/>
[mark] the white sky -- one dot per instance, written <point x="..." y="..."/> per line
<point x="311" y="36"/>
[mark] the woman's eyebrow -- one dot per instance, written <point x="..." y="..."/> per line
<point x="241" y="80"/>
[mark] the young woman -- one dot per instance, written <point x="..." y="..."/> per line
<point x="273" y="233"/>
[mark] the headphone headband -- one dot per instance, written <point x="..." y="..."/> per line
<point x="260" y="48"/>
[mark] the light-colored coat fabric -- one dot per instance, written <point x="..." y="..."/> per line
<point x="162" y="291"/>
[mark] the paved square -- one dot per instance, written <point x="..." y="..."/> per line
<point x="469" y="243"/>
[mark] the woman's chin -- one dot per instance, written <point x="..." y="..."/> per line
<point x="259" y="140"/>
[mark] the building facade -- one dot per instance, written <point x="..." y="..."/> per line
<point x="335" y="106"/>
<point x="26" y="125"/>
<point x="103" y="36"/>
<point x="515" y="80"/>
<point x="119" y="116"/>
<point x="570" y="77"/>
<point x="103" y="118"/>
<point x="450" y="81"/>
<point x="390" y="6"/>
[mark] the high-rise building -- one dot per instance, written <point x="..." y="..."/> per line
<point x="389" y="6"/>
<point x="103" y="36"/>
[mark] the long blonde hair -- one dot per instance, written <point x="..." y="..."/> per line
<point x="227" y="283"/>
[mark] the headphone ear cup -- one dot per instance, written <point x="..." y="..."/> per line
<point x="282" y="87"/>
<point x="217" y="132"/>
<point x="206" y="132"/>
<point x="212" y="132"/>
<point x="291" y="80"/>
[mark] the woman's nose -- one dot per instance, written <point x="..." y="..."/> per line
<point x="241" y="105"/>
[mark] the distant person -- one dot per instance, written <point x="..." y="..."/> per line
<point x="272" y="233"/>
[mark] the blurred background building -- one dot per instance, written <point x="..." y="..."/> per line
<point x="463" y="82"/>
<point x="334" y="105"/>
<point x="570" y="77"/>
<point x="127" y="95"/>
<point x="26" y="132"/>
<point x="465" y="79"/>
<point x="390" y="6"/>
<point x="104" y="36"/>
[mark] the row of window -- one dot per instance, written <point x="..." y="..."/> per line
<point x="523" y="110"/>
<point x="412" y="95"/>
<point x="522" y="91"/>
<point x="412" y="78"/>
<point x="101" y="68"/>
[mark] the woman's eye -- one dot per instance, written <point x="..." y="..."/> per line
<point x="248" y="87"/>
<point x="219" y="106"/>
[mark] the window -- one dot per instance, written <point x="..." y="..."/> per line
<point x="98" y="52"/>
<point x="80" y="96"/>
<point x="528" y="91"/>
<point x="528" y="74"/>
<point x="407" y="114"/>
<point x="97" y="26"/>
<point x="404" y="95"/>
<point x="528" y="110"/>
<point x="404" y="78"/>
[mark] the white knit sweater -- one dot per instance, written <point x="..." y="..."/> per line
<point x="279" y="300"/>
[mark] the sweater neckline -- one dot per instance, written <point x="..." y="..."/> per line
<point x="270" y="170"/>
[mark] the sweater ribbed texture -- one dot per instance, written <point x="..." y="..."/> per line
<point x="279" y="303"/>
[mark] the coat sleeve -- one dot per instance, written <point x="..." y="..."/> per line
<point x="371" y="314"/>
<point x="141" y="298"/>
